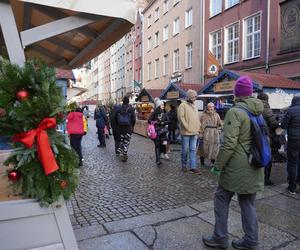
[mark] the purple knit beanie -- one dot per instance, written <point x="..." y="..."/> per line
<point x="243" y="86"/>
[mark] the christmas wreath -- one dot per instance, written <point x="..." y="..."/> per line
<point x="42" y="165"/>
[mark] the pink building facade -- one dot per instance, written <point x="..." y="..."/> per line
<point x="138" y="40"/>
<point x="260" y="36"/>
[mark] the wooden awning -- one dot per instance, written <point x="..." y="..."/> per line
<point x="67" y="34"/>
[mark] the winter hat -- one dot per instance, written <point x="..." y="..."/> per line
<point x="158" y="102"/>
<point x="243" y="87"/>
<point x="190" y="94"/>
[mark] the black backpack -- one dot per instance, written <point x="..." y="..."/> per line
<point x="260" y="152"/>
<point x="124" y="117"/>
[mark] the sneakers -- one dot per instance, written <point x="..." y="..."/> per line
<point x="211" y="242"/>
<point x="241" y="244"/>
<point x="195" y="171"/>
<point x="269" y="183"/>
<point x="124" y="158"/>
<point x="165" y="156"/>
<point x="291" y="191"/>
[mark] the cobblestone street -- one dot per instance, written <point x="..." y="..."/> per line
<point x="111" y="190"/>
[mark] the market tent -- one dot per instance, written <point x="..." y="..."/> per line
<point x="148" y="95"/>
<point x="178" y="90"/>
<point x="63" y="33"/>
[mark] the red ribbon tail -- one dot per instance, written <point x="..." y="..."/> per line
<point x="45" y="153"/>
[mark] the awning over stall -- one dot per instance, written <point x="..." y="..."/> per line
<point x="178" y="90"/>
<point x="63" y="33"/>
<point x="148" y="95"/>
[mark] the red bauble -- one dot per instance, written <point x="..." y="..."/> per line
<point x="63" y="184"/>
<point x="14" y="175"/>
<point x="22" y="95"/>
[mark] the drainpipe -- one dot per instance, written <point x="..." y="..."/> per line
<point x="268" y="39"/>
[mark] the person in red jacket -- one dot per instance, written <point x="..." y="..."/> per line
<point x="75" y="128"/>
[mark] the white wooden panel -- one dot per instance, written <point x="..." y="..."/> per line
<point x="59" y="246"/>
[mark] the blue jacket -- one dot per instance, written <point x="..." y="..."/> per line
<point x="101" y="118"/>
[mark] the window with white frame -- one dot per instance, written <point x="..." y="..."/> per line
<point x="175" y="2"/>
<point x="149" y="71"/>
<point x="148" y="20"/>
<point x="252" y="43"/>
<point x="189" y="18"/>
<point x="156" y="68"/>
<point x="166" y="33"/>
<point x="165" y="64"/>
<point x="176" y="60"/>
<point x="176" y="26"/>
<point x="230" y="3"/>
<point x="166" y="6"/>
<point x="149" y="41"/>
<point x="232" y="43"/>
<point x="189" y="54"/>
<point x="215" y="7"/>
<point x="156" y="14"/>
<point x="215" y="44"/>
<point x="156" y="39"/>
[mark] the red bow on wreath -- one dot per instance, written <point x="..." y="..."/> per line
<point x="45" y="153"/>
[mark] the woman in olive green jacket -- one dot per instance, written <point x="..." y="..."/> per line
<point x="236" y="174"/>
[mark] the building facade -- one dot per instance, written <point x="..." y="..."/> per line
<point x="138" y="49"/>
<point x="173" y="42"/>
<point x="129" y="61"/>
<point x="258" y="36"/>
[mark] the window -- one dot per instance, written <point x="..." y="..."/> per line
<point x="215" y="7"/>
<point x="165" y="6"/>
<point x="215" y="44"/>
<point x="166" y="33"/>
<point x="189" y="53"/>
<point x="252" y="37"/>
<point x="230" y="3"/>
<point x="165" y="64"/>
<point x="156" y="68"/>
<point x="176" y="60"/>
<point x="189" y="18"/>
<point x="156" y="39"/>
<point x="148" y="20"/>
<point x="175" y="2"/>
<point x="149" y="44"/>
<point x="232" y="43"/>
<point x="149" y="71"/>
<point x="176" y="26"/>
<point x="156" y="14"/>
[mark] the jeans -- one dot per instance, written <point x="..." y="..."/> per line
<point x="249" y="219"/>
<point x="159" y="148"/>
<point x="293" y="154"/>
<point x="172" y="135"/>
<point x="75" y="141"/>
<point x="101" y="136"/>
<point x="188" y="148"/>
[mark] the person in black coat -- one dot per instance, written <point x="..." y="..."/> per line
<point x="125" y="118"/>
<point x="291" y="122"/>
<point x="101" y="122"/>
<point x="172" y="127"/>
<point x="272" y="124"/>
<point x="114" y="126"/>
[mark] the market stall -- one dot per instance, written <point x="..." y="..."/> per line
<point x="144" y="107"/>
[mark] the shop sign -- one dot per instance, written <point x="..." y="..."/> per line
<point x="173" y="95"/>
<point x="224" y="86"/>
<point x="145" y="98"/>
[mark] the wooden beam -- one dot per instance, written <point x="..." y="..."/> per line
<point x="115" y="24"/>
<point x="54" y="28"/>
<point x="27" y="16"/>
<point x="45" y="52"/>
<point x="57" y="14"/>
<point x="63" y="44"/>
<point x="59" y="63"/>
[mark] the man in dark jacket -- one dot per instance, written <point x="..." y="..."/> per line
<point x="101" y="121"/>
<point x="172" y="127"/>
<point x="125" y="119"/>
<point x="114" y="125"/>
<point x="272" y="124"/>
<point x="291" y="122"/>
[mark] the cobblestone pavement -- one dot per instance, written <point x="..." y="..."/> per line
<point x="111" y="190"/>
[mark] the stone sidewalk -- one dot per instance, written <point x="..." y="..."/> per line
<point x="182" y="228"/>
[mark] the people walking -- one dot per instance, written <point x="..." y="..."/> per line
<point x="160" y="120"/>
<point x="101" y="122"/>
<point x="189" y="130"/>
<point x="115" y="127"/>
<point x="235" y="173"/>
<point x="75" y="128"/>
<point x="125" y="119"/>
<point x="272" y="124"/>
<point x="173" y="121"/>
<point x="211" y="125"/>
<point x="291" y="122"/>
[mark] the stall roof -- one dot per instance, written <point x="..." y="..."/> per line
<point x="151" y="93"/>
<point x="182" y="88"/>
<point x="70" y="33"/>
<point x="259" y="80"/>
<point x="64" y="74"/>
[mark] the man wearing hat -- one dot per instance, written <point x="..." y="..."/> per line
<point x="235" y="173"/>
<point x="189" y="122"/>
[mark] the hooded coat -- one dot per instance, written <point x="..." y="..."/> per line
<point x="237" y="175"/>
